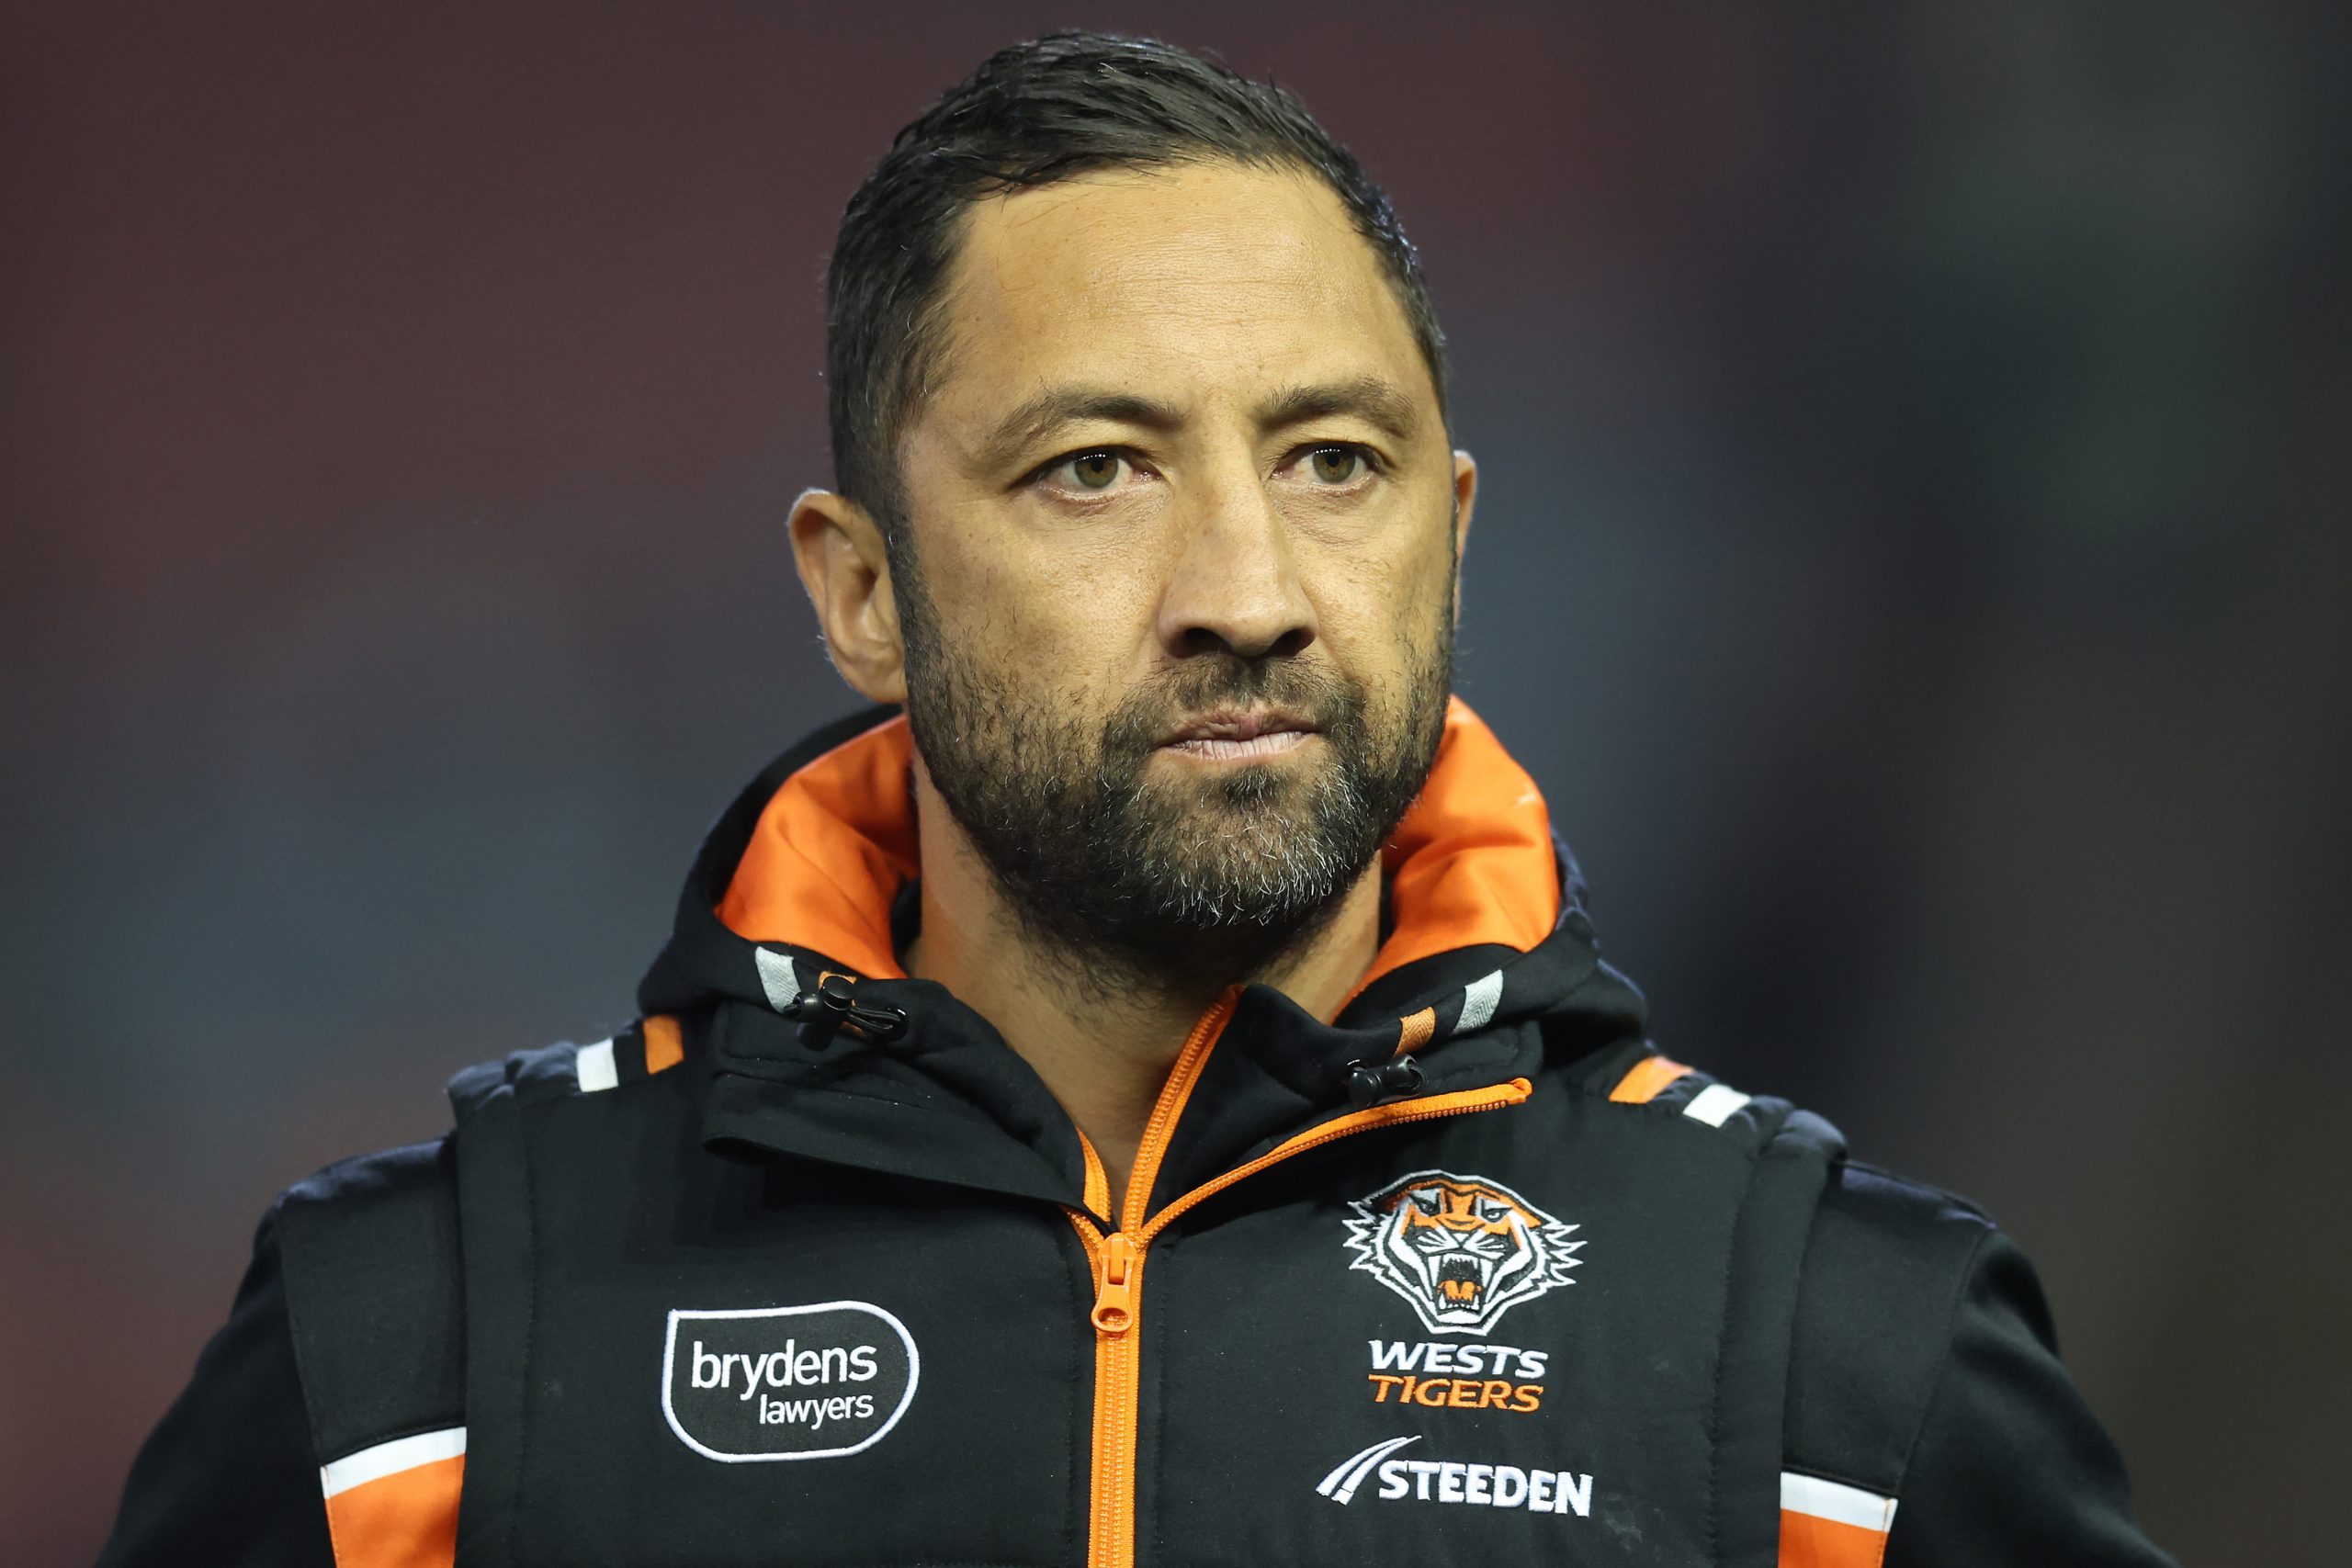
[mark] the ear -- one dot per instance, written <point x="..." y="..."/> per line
<point x="1466" y="497"/>
<point x="838" y="547"/>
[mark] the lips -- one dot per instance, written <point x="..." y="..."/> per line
<point x="1250" y="729"/>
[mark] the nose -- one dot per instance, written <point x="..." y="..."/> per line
<point x="1234" y="585"/>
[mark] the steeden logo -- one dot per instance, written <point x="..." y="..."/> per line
<point x="1462" y="1249"/>
<point x="1452" y="1481"/>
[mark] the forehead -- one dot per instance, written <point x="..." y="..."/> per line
<point x="1200" y="280"/>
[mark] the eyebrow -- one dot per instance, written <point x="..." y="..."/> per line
<point x="1371" y="398"/>
<point x="1057" y="406"/>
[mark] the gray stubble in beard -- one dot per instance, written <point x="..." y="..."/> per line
<point x="1122" y="880"/>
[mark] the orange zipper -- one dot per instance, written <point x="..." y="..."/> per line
<point x="1117" y="1259"/>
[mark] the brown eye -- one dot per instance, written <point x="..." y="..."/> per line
<point x="1096" y="470"/>
<point x="1337" y="465"/>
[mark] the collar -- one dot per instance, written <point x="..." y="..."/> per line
<point x="1472" y="864"/>
<point x="799" y="876"/>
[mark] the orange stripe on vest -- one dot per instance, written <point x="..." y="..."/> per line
<point x="406" y="1519"/>
<point x="1647" y="1080"/>
<point x="1807" y="1541"/>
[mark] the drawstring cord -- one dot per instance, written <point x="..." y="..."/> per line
<point x="1369" y="1083"/>
<point x="833" y="1006"/>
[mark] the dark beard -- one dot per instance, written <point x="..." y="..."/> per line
<point x="1122" y="881"/>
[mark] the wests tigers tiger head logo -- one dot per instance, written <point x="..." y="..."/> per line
<point x="1462" y="1249"/>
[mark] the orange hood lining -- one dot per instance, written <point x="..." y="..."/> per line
<point x="1470" y="864"/>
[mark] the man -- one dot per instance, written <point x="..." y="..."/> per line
<point x="1156" y="1097"/>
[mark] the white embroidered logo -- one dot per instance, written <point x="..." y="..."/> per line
<point x="1462" y="1249"/>
<point x="786" y="1383"/>
<point x="1450" y="1480"/>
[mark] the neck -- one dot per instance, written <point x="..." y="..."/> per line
<point x="1103" y="1052"/>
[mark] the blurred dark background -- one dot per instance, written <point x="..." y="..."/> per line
<point x="1913" y="556"/>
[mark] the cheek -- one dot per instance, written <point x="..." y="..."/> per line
<point x="1424" y="598"/>
<point x="1380" y="608"/>
<point x="1051" y="622"/>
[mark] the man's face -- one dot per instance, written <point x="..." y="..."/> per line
<point x="1176" y="583"/>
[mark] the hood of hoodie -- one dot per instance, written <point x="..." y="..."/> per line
<point x="1488" y="965"/>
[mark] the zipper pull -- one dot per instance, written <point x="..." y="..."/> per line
<point x="1115" y="1290"/>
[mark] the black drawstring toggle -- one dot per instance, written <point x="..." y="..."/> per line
<point x="1369" y="1083"/>
<point x="833" y="1006"/>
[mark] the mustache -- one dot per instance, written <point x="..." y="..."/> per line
<point x="1227" y="680"/>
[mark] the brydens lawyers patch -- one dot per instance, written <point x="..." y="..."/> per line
<point x="1462" y="1249"/>
<point x="786" y="1383"/>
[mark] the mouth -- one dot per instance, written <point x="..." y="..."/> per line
<point x="1234" y="735"/>
<point x="1459" y="1281"/>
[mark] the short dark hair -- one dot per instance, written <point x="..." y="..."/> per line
<point x="1031" y="115"/>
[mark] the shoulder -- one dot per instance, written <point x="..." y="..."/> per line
<point x="1885" y="1235"/>
<point x="231" y="1462"/>
<point x="1886" y="1270"/>
<point x="374" y="1228"/>
<point x="368" y="1253"/>
<point x="403" y="1203"/>
<point x="412" y="1178"/>
<point x="647" y="1048"/>
<point x="1894" y="1209"/>
<point x="1925" y="1369"/>
<point x="368" y="1248"/>
<point x="1870" y="1226"/>
<point x="344" y="1334"/>
<point x="1923" y="1412"/>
